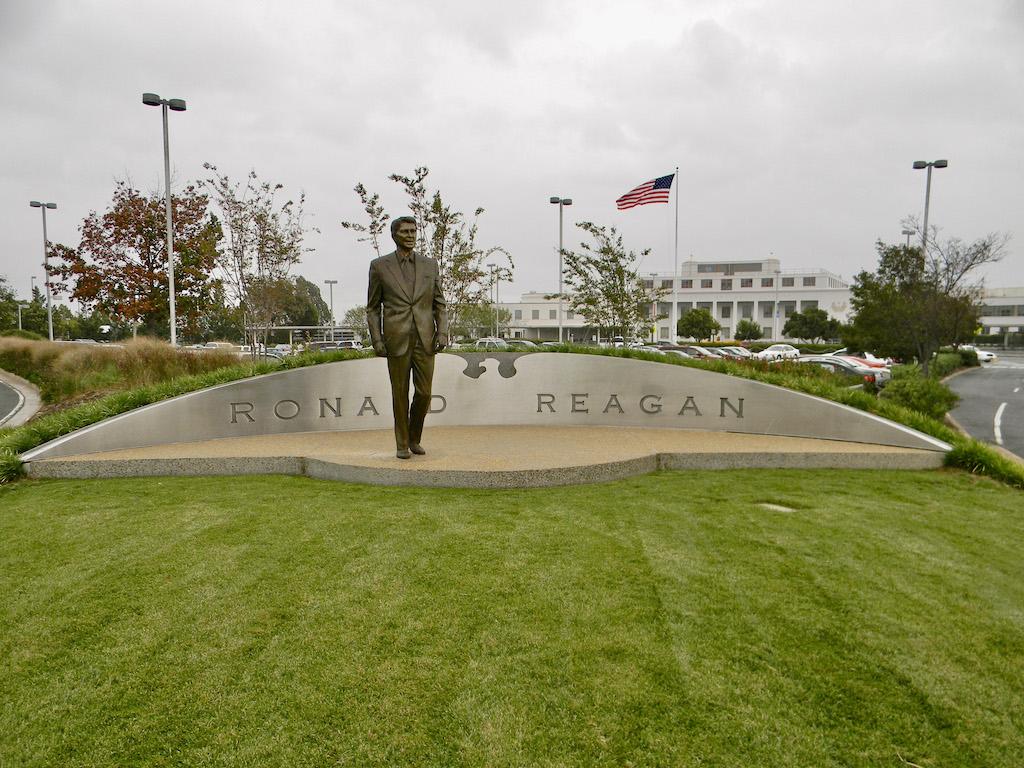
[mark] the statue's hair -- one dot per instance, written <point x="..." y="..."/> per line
<point x="400" y="220"/>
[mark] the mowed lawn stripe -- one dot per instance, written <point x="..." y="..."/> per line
<point x="662" y="620"/>
<point x="861" y="627"/>
<point x="278" y="620"/>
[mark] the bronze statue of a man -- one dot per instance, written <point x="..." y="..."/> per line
<point x="408" y="320"/>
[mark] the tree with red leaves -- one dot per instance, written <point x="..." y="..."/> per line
<point x="120" y="267"/>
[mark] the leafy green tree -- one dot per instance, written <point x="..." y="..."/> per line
<point x="264" y="239"/>
<point x="355" y="318"/>
<point x="748" y="330"/>
<point x="479" y="320"/>
<point x="811" y="325"/>
<point x="914" y="303"/>
<point x="603" y="286"/>
<point x="448" y="236"/>
<point x="697" y="324"/>
<point x="8" y="307"/>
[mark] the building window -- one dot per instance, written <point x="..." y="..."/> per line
<point x="746" y="282"/>
<point x="810" y="280"/>
<point x="727" y="285"/>
<point x="705" y="283"/>
<point x="663" y="333"/>
<point x="725" y="311"/>
<point x="766" y="309"/>
<point x="648" y="284"/>
<point x="552" y="314"/>
<point x="535" y="314"/>
<point x="766" y="331"/>
<point x="519" y="314"/>
<point x="746" y="309"/>
<point x="666" y="284"/>
<point x="686" y="284"/>
<point x="570" y="315"/>
<point x="767" y="282"/>
<point x="811" y="304"/>
<point x="788" y="282"/>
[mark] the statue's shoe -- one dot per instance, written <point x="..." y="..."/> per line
<point x="403" y="453"/>
<point x="417" y="449"/>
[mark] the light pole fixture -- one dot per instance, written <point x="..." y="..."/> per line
<point x="775" y="322"/>
<point x="21" y="307"/>
<point x="330" y="284"/>
<point x="175" y="105"/>
<point x="46" y="263"/>
<point x="918" y="165"/>
<point x="561" y="202"/>
<point x="494" y="301"/>
<point x="908" y="233"/>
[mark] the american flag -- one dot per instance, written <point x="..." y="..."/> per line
<point x="653" y="191"/>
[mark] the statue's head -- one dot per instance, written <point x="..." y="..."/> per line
<point x="403" y="232"/>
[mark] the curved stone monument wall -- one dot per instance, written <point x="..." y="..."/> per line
<point x="490" y="389"/>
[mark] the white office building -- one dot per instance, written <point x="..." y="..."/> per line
<point x="730" y="290"/>
<point x="1002" y="311"/>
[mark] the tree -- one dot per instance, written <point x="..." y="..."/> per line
<point x="811" y="325"/>
<point x="355" y="318"/>
<point x="444" y="235"/>
<point x="120" y="266"/>
<point x="603" y="285"/>
<point x="8" y="306"/>
<point x="264" y="240"/>
<point x="697" y="324"/>
<point x="479" y="320"/>
<point x="915" y="303"/>
<point x="748" y="330"/>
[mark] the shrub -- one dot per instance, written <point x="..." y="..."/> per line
<point x="927" y="395"/>
<point x="21" y="334"/>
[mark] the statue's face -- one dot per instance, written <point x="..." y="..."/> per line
<point x="405" y="235"/>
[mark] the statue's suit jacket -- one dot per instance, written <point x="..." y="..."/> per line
<point x="395" y="315"/>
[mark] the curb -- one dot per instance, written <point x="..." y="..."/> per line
<point x="29" y="404"/>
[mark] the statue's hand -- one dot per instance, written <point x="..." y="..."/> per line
<point x="440" y="342"/>
<point x="380" y="350"/>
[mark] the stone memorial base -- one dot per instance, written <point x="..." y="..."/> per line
<point x="485" y="456"/>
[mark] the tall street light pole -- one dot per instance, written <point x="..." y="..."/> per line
<point x="561" y="202"/>
<point x="46" y="263"/>
<point x="918" y="165"/>
<point x="175" y="105"/>
<point x="330" y="284"/>
<point x="775" y="322"/>
<point x="494" y="301"/>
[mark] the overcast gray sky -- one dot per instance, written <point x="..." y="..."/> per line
<point x="794" y="123"/>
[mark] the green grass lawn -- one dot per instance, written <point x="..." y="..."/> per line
<point x="665" y="620"/>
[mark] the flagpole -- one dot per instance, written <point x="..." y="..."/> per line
<point x="675" y="267"/>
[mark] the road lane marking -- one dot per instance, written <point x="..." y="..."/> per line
<point x="1016" y="390"/>
<point x="997" y="424"/>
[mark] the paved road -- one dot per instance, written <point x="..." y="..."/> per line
<point x="9" y="400"/>
<point x="992" y="402"/>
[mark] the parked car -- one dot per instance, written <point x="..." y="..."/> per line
<point x="876" y="363"/>
<point x="984" y="356"/>
<point x="678" y="353"/>
<point x="779" y="352"/>
<point x="701" y="353"/>
<point x="492" y="343"/>
<point x="741" y="353"/>
<point x="886" y="361"/>
<point x="869" y="375"/>
<point x="520" y="344"/>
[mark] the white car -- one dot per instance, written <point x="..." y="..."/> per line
<point x="779" y="352"/>
<point x="984" y="356"/>
<point x="491" y="342"/>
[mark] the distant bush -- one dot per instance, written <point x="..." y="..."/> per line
<point x="20" y="334"/>
<point x="927" y="395"/>
<point x="62" y="371"/>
